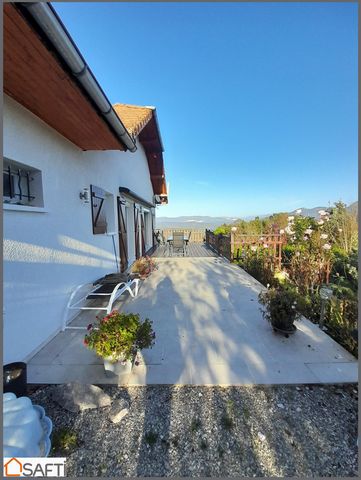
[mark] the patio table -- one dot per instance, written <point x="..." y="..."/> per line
<point x="170" y="239"/>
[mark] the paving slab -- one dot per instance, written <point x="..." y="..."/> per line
<point x="334" y="372"/>
<point x="209" y="331"/>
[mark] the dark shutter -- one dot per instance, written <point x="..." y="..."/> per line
<point x="98" y="211"/>
<point x="136" y="231"/>
<point x="122" y="228"/>
<point x="143" y="233"/>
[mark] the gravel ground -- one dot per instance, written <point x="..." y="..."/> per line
<point x="214" y="431"/>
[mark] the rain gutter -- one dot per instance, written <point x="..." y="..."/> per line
<point x="47" y="19"/>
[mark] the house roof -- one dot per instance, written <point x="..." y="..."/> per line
<point x="134" y="117"/>
<point x="142" y="123"/>
<point x="39" y="79"/>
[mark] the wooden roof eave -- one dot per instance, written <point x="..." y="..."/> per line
<point x="35" y="77"/>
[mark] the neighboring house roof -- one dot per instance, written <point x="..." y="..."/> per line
<point x="142" y="123"/>
<point x="134" y="117"/>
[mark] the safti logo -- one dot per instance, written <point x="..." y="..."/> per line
<point x="13" y="468"/>
<point x="34" y="467"/>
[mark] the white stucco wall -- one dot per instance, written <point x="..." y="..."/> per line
<point x="47" y="254"/>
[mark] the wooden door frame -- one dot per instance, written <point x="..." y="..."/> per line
<point x="122" y="236"/>
<point x="137" y="231"/>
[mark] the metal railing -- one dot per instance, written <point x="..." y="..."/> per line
<point x="221" y="244"/>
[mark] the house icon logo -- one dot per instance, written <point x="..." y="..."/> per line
<point x="13" y="468"/>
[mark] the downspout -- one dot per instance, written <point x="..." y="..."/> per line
<point x="49" y="22"/>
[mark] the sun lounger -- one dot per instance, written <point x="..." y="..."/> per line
<point x="109" y="288"/>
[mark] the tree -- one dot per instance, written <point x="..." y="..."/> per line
<point x="342" y="227"/>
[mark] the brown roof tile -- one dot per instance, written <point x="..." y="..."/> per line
<point x="142" y="122"/>
<point x="133" y="117"/>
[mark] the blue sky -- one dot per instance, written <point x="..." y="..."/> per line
<point x="257" y="102"/>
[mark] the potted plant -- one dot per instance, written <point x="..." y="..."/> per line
<point x="117" y="338"/>
<point x="280" y="308"/>
<point x="144" y="266"/>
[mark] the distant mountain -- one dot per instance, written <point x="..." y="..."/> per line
<point x="193" y="222"/>
<point x="310" y="212"/>
<point x="313" y="212"/>
<point x="214" y="222"/>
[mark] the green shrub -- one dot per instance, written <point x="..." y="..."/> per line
<point x="258" y="264"/>
<point x="345" y="270"/>
<point x="223" y="230"/>
<point x="280" y="307"/>
<point x="342" y="321"/>
<point x="341" y="317"/>
<point x="64" y="441"/>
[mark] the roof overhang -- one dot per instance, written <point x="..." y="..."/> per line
<point x="150" y="138"/>
<point x="38" y="78"/>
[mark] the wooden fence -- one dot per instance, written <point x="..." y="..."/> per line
<point x="197" y="235"/>
<point x="272" y="242"/>
<point x="232" y="246"/>
<point x="235" y="245"/>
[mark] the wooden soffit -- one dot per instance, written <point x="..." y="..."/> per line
<point x="150" y="139"/>
<point x="35" y="77"/>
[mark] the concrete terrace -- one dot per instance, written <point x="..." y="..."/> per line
<point x="209" y="331"/>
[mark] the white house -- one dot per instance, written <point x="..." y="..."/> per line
<point x="81" y="178"/>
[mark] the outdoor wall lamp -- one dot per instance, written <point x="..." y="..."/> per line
<point x="84" y="195"/>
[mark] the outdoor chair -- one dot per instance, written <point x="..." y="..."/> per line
<point x="187" y="243"/>
<point x="109" y="288"/>
<point x="159" y="238"/>
<point x="178" y="243"/>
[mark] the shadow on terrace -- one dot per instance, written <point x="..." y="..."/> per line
<point x="209" y="330"/>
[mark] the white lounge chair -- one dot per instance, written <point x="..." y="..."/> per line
<point x="112" y="286"/>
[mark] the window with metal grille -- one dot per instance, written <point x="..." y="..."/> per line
<point x="22" y="184"/>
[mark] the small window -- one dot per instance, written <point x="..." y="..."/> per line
<point x="102" y="204"/>
<point x="22" y="184"/>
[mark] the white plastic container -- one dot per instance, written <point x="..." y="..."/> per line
<point x="26" y="429"/>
